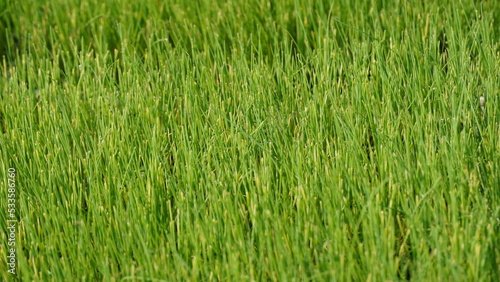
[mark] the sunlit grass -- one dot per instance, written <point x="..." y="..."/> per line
<point x="252" y="140"/>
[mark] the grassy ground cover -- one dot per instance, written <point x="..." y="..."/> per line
<point x="251" y="140"/>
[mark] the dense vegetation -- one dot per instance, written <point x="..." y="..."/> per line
<point x="251" y="139"/>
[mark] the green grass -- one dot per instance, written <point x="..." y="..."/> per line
<point x="251" y="140"/>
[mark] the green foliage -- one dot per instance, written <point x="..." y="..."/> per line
<point x="252" y="140"/>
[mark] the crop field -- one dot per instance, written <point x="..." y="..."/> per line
<point x="250" y="140"/>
